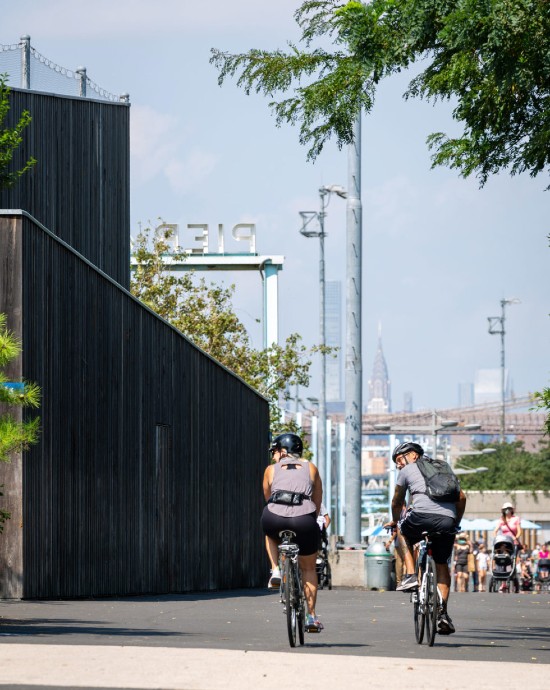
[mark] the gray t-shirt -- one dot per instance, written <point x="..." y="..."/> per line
<point x="411" y="478"/>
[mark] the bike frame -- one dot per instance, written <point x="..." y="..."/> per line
<point x="294" y="608"/>
<point x="425" y="609"/>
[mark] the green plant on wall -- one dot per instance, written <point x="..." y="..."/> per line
<point x="10" y="139"/>
<point x="15" y="436"/>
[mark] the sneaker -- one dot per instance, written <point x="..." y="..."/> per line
<point x="275" y="579"/>
<point x="313" y="624"/>
<point x="407" y="583"/>
<point x="444" y="623"/>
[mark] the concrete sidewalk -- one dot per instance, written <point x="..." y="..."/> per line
<point x="145" y="668"/>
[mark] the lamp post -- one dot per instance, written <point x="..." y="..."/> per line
<point x="307" y="217"/>
<point x="496" y="327"/>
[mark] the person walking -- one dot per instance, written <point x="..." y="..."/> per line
<point x="483" y="560"/>
<point x="462" y="551"/>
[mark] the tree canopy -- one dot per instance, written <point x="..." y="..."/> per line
<point x="204" y="313"/>
<point x="510" y="468"/>
<point x="490" y="58"/>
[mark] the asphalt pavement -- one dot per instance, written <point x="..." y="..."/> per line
<point x="228" y="639"/>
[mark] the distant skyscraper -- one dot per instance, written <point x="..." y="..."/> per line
<point x="465" y="394"/>
<point x="379" y="384"/>
<point x="407" y="401"/>
<point x="333" y="335"/>
<point x="487" y="386"/>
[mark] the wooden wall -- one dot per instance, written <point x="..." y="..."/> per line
<point x="80" y="186"/>
<point x="147" y="477"/>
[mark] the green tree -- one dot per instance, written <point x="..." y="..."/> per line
<point x="15" y="436"/>
<point x="490" y="57"/>
<point x="204" y="313"/>
<point x="10" y="139"/>
<point x="542" y="399"/>
<point x="511" y="468"/>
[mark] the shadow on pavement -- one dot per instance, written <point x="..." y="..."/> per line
<point x="37" y="627"/>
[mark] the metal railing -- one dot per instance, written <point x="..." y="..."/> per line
<point x="28" y="69"/>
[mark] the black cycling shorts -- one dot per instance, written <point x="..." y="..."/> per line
<point x="413" y="524"/>
<point x="305" y="527"/>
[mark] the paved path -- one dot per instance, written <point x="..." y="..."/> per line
<point x="238" y="640"/>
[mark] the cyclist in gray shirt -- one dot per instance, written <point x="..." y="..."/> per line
<point x="440" y="519"/>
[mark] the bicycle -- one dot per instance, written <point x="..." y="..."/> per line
<point x="291" y="588"/>
<point x="427" y="598"/>
<point x="322" y="566"/>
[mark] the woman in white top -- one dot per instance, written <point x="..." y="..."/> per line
<point x="482" y="560"/>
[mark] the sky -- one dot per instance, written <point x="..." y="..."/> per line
<point x="438" y="252"/>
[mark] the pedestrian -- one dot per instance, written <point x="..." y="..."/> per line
<point x="472" y="566"/>
<point x="462" y="549"/>
<point x="483" y="560"/>
<point x="509" y="523"/>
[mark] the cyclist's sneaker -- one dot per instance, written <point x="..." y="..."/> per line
<point x="407" y="583"/>
<point x="313" y="624"/>
<point x="444" y="623"/>
<point x="275" y="579"/>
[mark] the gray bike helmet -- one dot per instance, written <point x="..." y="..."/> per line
<point x="405" y="448"/>
<point x="292" y="443"/>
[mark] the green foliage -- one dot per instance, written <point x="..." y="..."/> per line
<point x="490" y="57"/>
<point x="204" y="313"/>
<point x="10" y="139"/>
<point x="542" y="398"/>
<point x="329" y="89"/>
<point x="511" y="468"/>
<point x="15" y="436"/>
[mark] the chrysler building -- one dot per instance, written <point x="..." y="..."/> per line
<point x="379" y="400"/>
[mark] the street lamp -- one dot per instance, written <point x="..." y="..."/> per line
<point x="496" y="327"/>
<point x="323" y="458"/>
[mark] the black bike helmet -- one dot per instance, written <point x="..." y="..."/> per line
<point x="292" y="443"/>
<point x="405" y="448"/>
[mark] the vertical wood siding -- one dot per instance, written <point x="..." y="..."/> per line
<point x="147" y="477"/>
<point x="80" y="186"/>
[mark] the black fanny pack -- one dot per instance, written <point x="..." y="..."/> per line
<point x="287" y="498"/>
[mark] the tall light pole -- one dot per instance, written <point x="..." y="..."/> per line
<point x="354" y="365"/>
<point x="496" y="327"/>
<point x="307" y="217"/>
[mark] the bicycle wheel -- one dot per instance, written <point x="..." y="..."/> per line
<point x="432" y="602"/>
<point x="419" y="608"/>
<point x="290" y="601"/>
<point x="418" y="599"/>
<point x="301" y="617"/>
<point x="328" y="575"/>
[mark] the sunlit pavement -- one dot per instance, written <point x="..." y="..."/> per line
<point x="238" y="640"/>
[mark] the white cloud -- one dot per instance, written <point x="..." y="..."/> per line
<point x="189" y="173"/>
<point x="157" y="144"/>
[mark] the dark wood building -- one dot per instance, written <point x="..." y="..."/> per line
<point x="80" y="186"/>
<point x="147" y="476"/>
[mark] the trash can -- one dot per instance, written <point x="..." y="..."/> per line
<point x="378" y="567"/>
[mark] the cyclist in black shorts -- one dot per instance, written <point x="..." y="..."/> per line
<point x="424" y="515"/>
<point x="293" y="491"/>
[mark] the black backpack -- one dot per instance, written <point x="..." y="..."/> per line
<point x="442" y="484"/>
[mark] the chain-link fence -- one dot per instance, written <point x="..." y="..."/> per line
<point x="28" y="69"/>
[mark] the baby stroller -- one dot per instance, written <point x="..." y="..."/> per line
<point x="503" y="564"/>
<point x="324" y="574"/>
<point x="543" y="575"/>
